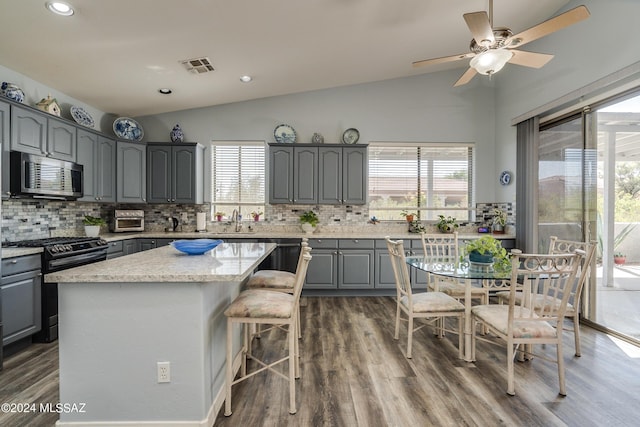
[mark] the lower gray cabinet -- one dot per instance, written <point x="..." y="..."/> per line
<point x="383" y="276"/>
<point x="21" y="294"/>
<point x="341" y="264"/>
<point x="115" y="249"/>
<point x="146" y="244"/>
<point x="130" y="246"/>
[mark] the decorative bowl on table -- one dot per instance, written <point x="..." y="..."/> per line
<point x="195" y="246"/>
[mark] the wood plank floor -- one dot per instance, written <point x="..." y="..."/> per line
<point x="355" y="374"/>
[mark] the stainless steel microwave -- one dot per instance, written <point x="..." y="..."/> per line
<point x="42" y="177"/>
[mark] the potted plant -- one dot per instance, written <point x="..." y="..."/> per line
<point x="619" y="258"/>
<point x="219" y="215"/>
<point x="446" y="224"/>
<point x="499" y="221"/>
<point x="309" y="221"/>
<point x="486" y="250"/>
<point x="408" y="215"/>
<point x="256" y="216"/>
<point x="92" y="225"/>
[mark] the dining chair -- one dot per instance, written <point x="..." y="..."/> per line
<point x="558" y="246"/>
<point x="444" y="247"/>
<point x="278" y="280"/>
<point x="431" y="306"/>
<point x="520" y="325"/>
<point x="259" y="306"/>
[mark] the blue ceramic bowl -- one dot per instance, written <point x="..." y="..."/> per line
<point x="196" y="246"/>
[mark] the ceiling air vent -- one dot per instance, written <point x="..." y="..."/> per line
<point x="198" y="65"/>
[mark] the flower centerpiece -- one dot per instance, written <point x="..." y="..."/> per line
<point x="309" y="220"/>
<point x="92" y="225"/>
<point x="446" y="224"/>
<point x="487" y="250"/>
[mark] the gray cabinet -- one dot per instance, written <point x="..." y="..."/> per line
<point x="317" y="174"/>
<point x="342" y="175"/>
<point x="383" y="276"/>
<point x="115" y="249"/>
<point x="5" y="113"/>
<point x="175" y="173"/>
<point x="293" y="174"/>
<point x="341" y="264"/>
<point x="98" y="156"/>
<point x="21" y="295"/>
<point x="131" y="172"/>
<point x="146" y="244"/>
<point x="130" y="246"/>
<point x="36" y="133"/>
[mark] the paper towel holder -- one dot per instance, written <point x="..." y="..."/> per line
<point x="201" y="222"/>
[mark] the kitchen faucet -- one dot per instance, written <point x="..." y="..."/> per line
<point x="235" y="218"/>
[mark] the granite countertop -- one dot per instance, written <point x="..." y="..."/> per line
<point x="227" y="262"/>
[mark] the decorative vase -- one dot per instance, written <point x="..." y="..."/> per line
<point x="307" y="228"/>
<point x="446" y="228"/>
<point x="478" y="258"/>
<point x="498" y="229"/>
<point x="619" y="260"/>
<point x="176" y="134"/>
<point x="256" y="218"/>
<point x="317" y="138"/>
<point x="12" y="91"/>
<point x="91" y="230"/>
<point x="219" y="217"/>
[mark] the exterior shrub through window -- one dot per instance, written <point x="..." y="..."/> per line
<point x="237" y="178"/>
<point x="428" y="179"/>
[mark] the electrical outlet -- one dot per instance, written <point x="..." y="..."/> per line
<point x="164" y="372"/>
<point x="185" y="217"/>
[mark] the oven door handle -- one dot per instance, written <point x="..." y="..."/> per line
<point x="76" y="258"/>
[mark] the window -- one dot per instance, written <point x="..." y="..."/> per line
<point x="237" y="177"/>
<point x="422" y="178"/>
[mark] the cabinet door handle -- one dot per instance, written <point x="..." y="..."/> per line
<point x="14" y="261"/>
<point x="355" y="241"/>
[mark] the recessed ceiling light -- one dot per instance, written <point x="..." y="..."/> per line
<point x="165" y="91"/>
<point x="246" y="79"/>
<point x="59" y="8"/>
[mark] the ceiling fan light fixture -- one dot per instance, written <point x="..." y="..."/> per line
<point x="491" y="61"/>
<point x="59" y="8"/>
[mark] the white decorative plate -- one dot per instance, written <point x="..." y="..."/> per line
<point x="82" y="117"/>
<point x="126" y="128"/>
<point x="285" y="134"/>
<point x="505" y="178"/>
<point x="350" y="136"/>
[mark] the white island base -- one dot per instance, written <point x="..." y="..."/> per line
<point x="120" y="317"/>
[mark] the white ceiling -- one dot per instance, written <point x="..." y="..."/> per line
<point x="114" y="55"/>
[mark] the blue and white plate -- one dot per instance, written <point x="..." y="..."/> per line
<point x="195" y="246"/>
<point x="82" y="117"/>
<point x="285" y="134"/>
<point x="126" y="128"/>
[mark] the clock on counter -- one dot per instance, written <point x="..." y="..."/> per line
<point x="505" y="177"/>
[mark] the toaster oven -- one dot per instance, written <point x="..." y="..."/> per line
<point x="128" y="220"/>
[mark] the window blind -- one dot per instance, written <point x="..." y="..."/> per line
<point x="238" y="176"/>
<point x="422" y="178"/>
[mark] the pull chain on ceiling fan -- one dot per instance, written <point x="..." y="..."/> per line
<point x="492" y="48"/>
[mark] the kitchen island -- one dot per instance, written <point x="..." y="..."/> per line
<point x="119" y="318"/>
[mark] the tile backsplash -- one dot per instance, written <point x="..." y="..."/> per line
<point x="24" y="219"/>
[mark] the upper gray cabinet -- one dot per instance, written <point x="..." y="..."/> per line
<point x="43" y="135"/>
<point x="4" y="140"/>
<point x="98" y="156"/>
<point x="131" y="172"/>
<point x="317" y="174"/>
<point x="175" y="172"/>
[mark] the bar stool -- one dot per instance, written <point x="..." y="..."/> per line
<point x="277" y="280"/>
<point x="275" y="308"/>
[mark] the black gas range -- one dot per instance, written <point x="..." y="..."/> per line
<point x="60" y="253"/>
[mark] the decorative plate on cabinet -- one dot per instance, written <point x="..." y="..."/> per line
<point x="82" y="117"/>
<point x="505" y="177"/>
<point x="350" y="136"/>
<point x="285" y="134"/>
<point x="126" y="128"/>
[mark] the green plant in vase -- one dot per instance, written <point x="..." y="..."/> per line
<point x="485" y="250"/>
<point x="309" y="221"/>
<point x="446" y="224"/>
<point x="92" y="225"/>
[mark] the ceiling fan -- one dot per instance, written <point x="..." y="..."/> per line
<point x="491" y="48"/>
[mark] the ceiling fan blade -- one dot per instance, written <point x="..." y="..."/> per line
<point x="552" y="25"/>
<point x="480" y="27"/>
<point x="443" y="59"/>
<point x="466" y="77"/>
<point x="529" y="59"/>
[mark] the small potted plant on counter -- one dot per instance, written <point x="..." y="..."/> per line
<point x="256" y="216"/>
<point x="408" y="215"/>
<point x="92" y="225"/>
<point x="499" y="221"/>
<point x="487" y="250"/>
<point x="219" y="215"/>
<point x="446" y="224"/>
<point x="619" y="258"/>
<point x="309" y="220"/>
